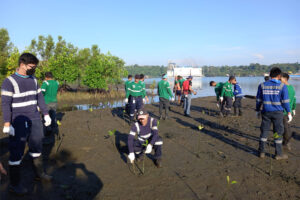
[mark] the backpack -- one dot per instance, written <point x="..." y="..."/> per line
<point x="186" y="86"/>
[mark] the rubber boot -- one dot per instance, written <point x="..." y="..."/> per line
<point x="158" y="163"/>
<point x="240" y="112"/>
<point x="15" y="181"/>
<point x="235" y="112"/>
<point x="39" y="171"/>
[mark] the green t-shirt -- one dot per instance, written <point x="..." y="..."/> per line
<point x="175" y="85"/>
<point x="218" y="90"/>
<point x="164" y="89"/>
<point x="135" y="90"/>
<point x="292" y="97"/>
<point x="49" y="90"/>
<point x="227" y="90"/>
<point x="181" y="82"/>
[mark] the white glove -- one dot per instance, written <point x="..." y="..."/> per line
<point x="126" y="100"/>
<point x="148" y="149"/>
<point x="131" y="157"/>
<point x="290" y="118"/>
<point x="218" y="106"/>
<point x="47" y="120"/>
<point x="233" y="99"/>
<point x="294" y="112"/>
<point x="258" y="114"/>
<point x="172" y="99"/>
<point x="144" y="100"/>
<point x="221" y="99"/>
<point x="9" y="130"/>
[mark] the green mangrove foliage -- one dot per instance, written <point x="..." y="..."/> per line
<point x="69" y="64"/>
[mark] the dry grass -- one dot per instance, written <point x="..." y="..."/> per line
<point x="89" y="97"/>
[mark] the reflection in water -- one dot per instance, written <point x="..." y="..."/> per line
<point x="200" y="84"/>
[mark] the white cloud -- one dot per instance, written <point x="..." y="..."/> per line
<point x="259" y="56"/>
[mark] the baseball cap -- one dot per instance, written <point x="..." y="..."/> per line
<point x="190" y="77"/>
<point x="142" y="113"/>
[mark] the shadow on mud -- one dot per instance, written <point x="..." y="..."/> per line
<point x="121" y="145"/>
<point x="219" y="136"/>
<point x="71" y="180"/>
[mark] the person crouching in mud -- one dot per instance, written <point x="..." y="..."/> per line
<point x="145" y="129"/>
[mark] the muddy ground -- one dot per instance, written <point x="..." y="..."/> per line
<point x="90" y="165"/>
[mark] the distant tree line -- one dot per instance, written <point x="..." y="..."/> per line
<point x="249" y="70"/>
<point x="149" y="70"/>
<point x="242" y="70"/>
<point x="69" y="64"/>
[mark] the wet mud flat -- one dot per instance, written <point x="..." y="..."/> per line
<point x="89" y="163"/>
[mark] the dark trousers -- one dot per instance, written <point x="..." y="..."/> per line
<point x="268" y="118"/>
<point x="26" y="130"/>
<point x="52" y="107"/>
<point x="135" y="103"/>
<point x="127" y="106"/>
<point x="139" y="148"/>
<point x="226" y="105"/>
<point x="237" y="105"/>
<point x="287" y="134"/>
<point x="163" y="103"/>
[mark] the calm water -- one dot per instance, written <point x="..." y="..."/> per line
<point x="249" y="85"/>
<point x="200" y="85"/>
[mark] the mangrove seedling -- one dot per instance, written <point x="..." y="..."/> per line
<point x="229" y="184"/>
<point x="145" y="145"/>
<point x="111" y="134"/>
<point x="200" y="127"/>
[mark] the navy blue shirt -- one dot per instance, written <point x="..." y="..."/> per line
<point x="21" y="95"/>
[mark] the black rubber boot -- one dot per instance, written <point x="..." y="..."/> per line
<point x="15" y="181"/>
<point x="158" y="163"/>
<point x="40" y="174"/>
<point x="240" y="112"/>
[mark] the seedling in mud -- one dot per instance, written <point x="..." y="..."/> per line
<point x="200" y="127"/>
<point x="111" y="134"/>
<point x="229" y="184"/>
<point x="58" y="123"/>
<point x="157" y="123"/>
<point x="203" y="112"/>
<point x="145" y="145"/>
<point x="91" y="109"/>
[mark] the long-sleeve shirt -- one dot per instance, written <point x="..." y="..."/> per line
<point x="273" y="95"/>
<point x="20" y="97"/>
<point x="143" y="133"/>
<point x="144" y="88"/>
<point x="135" y="90"/>
<point x="292" y="97"/>
<point x="237" y="91"/>
<point x="164" y="89"/>
<point x="127" y="83"/>
<point x="218" y="90"/>
<point x="227" y="90"/>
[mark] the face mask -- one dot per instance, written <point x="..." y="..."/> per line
<point x="30" y="72"/>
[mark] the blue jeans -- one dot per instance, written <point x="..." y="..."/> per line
<point x="276" y="118"/>
<point x="187" y="104"/>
